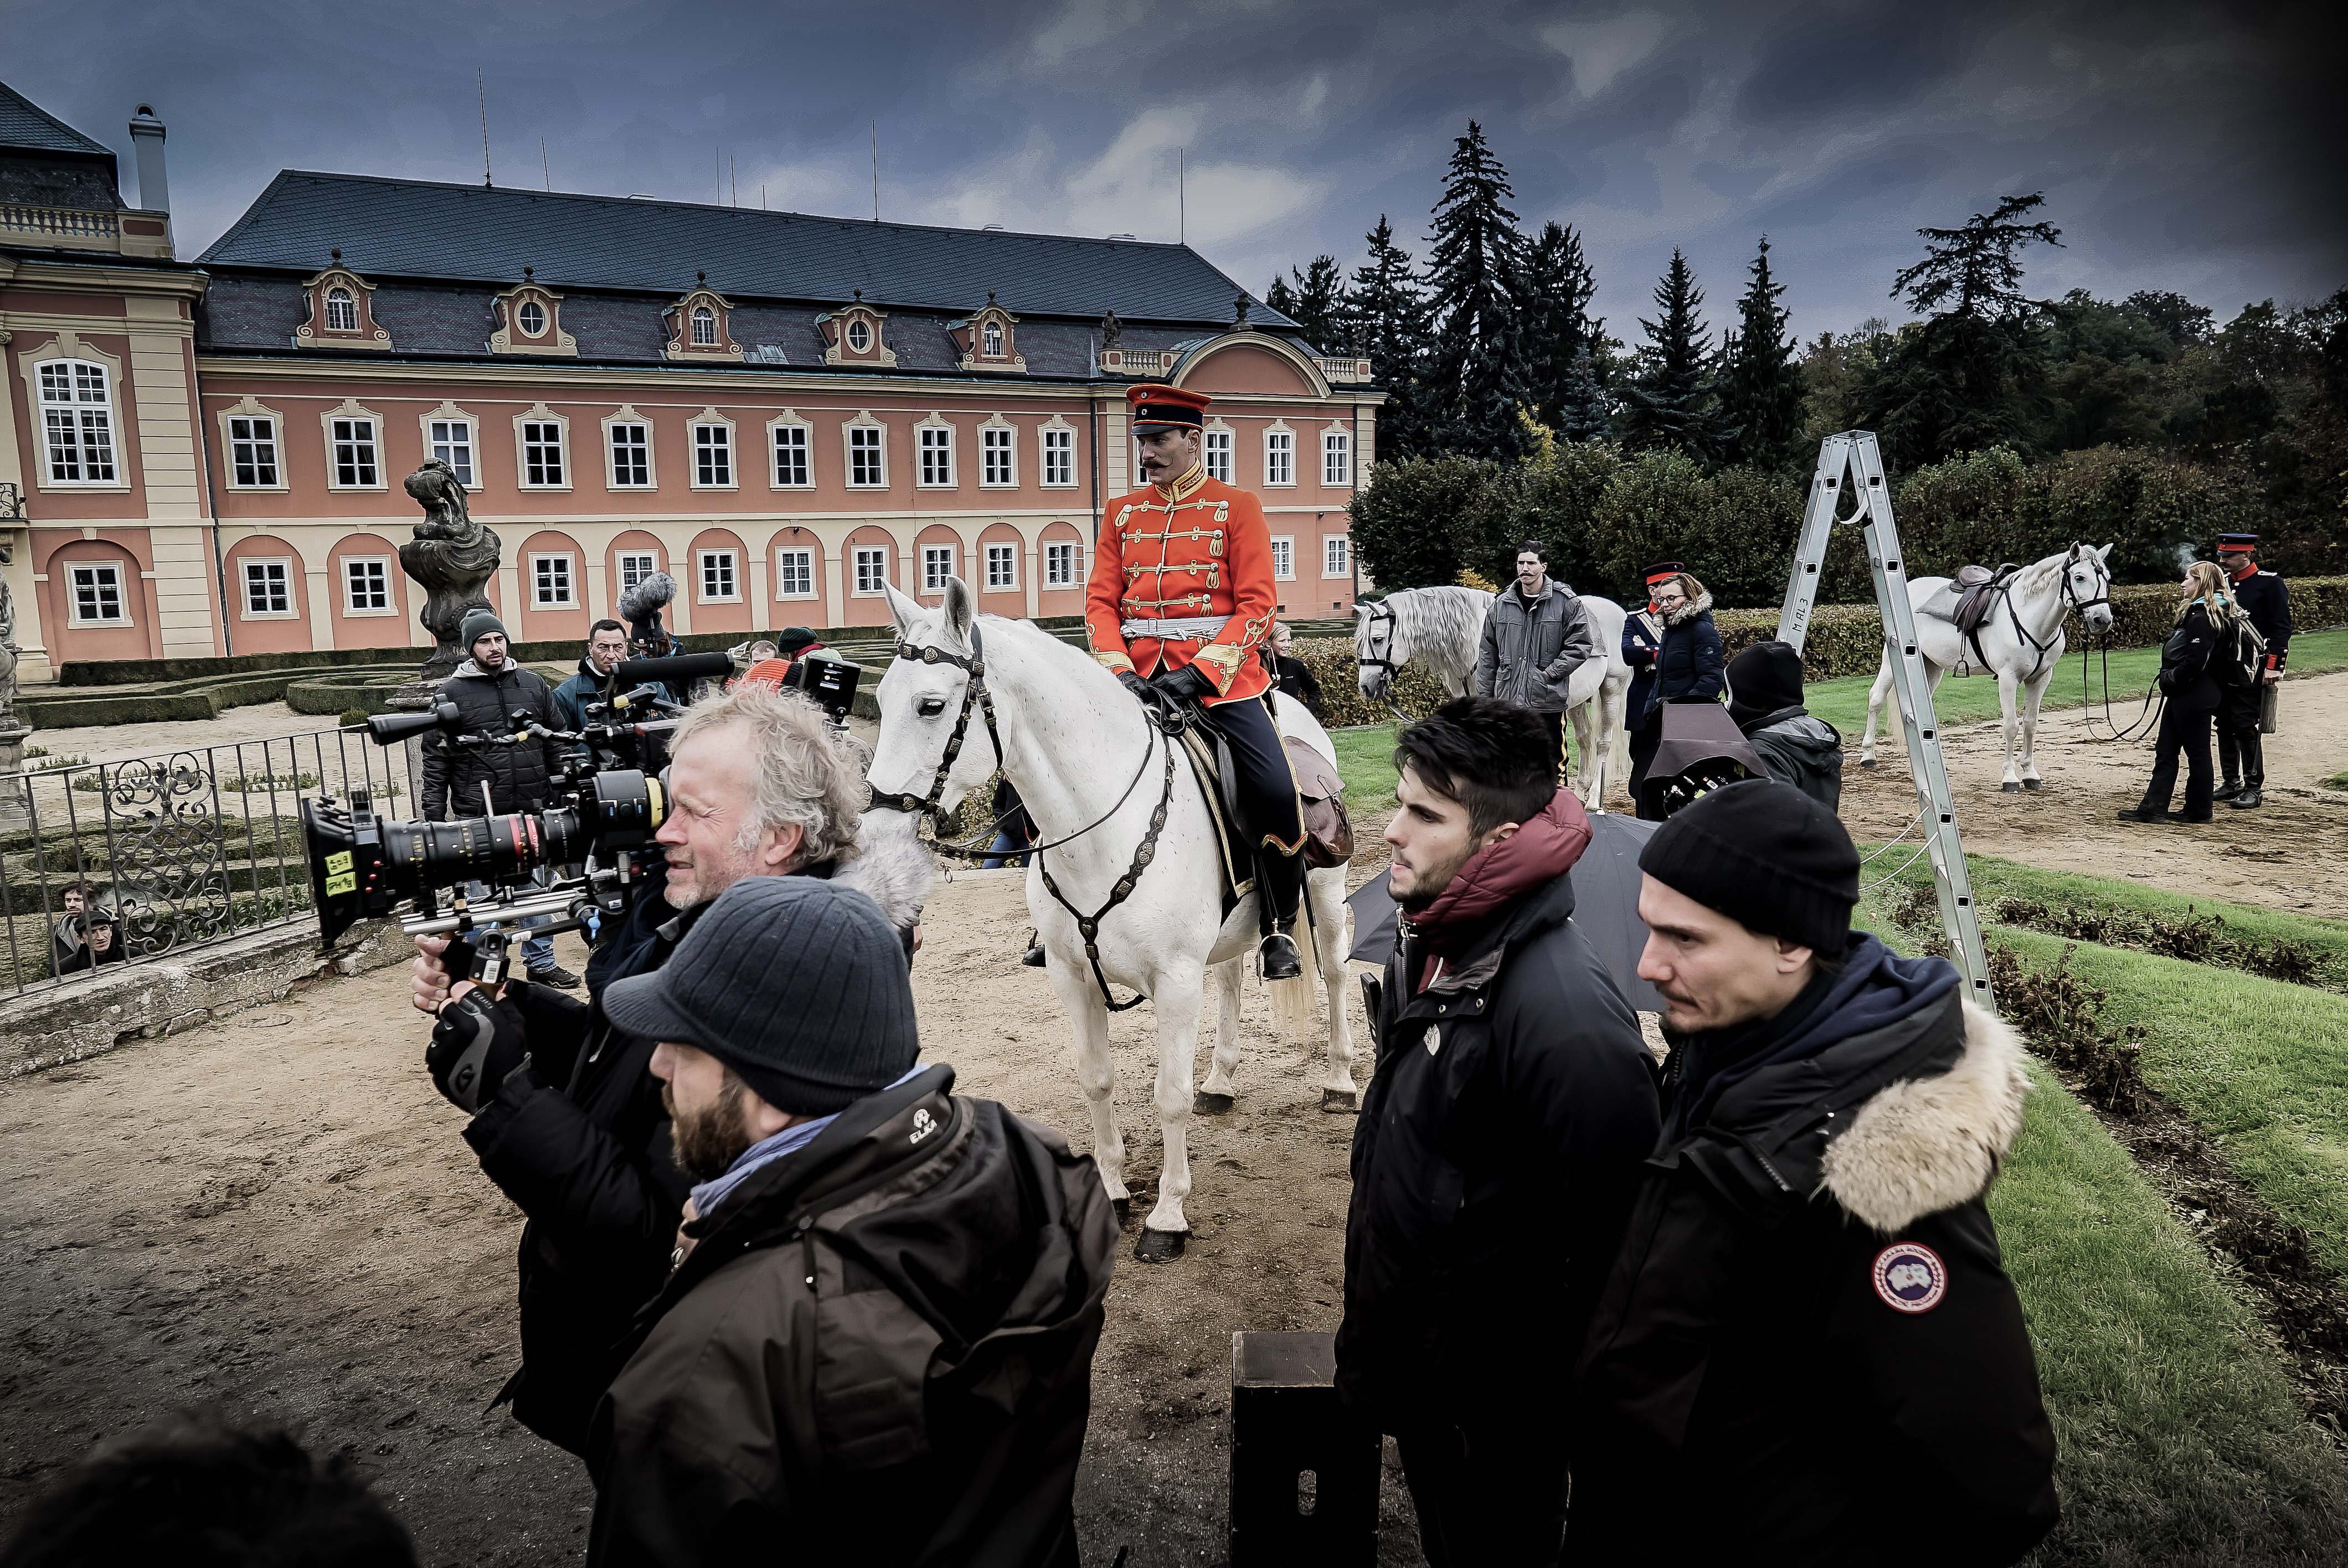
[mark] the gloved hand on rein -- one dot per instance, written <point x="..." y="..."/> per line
<point x="1134" y="683"/>
<point x="1187" y="684"/>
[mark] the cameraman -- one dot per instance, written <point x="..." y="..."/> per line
<point x="568" y="1120"/>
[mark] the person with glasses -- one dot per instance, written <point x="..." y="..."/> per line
<point x="1676" y="656"/>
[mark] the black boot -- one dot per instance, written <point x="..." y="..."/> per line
<point x="2245" y="801"/>
<point x="1278" y="885"/>
<point x="2227" y="790"/>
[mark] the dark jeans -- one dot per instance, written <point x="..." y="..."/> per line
<point x="2242" y="755"/>
<point x="1643" y="746"/>
<point x="2187" y="731"/>
<point x="1486" y="1497"/>
<point x="1266" y="784"/>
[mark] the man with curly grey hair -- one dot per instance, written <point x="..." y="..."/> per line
<point x="568" y="1119"/>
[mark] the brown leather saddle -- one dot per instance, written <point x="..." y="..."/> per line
<point x="1970" y="594"/>
<point x="1328" y="830"/>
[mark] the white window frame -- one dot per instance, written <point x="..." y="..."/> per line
<point x="713" y="455"/>
<point x="1279" y="459"/>
<point x="528" y="312"/>
<point x="90" y="423"/>
<point x="102" y="574"/>
<point x="346" y="319"/>
<point x="998" y="457"/>
<point x="642" y="447"/>
<point x="1284" y="558"/>
<point x="802" y="559"/>
<point x="711" y="556"/>
<point x="256" y="450"/>
<point x="624" y="573"/>
<point x="381" y="585"/>
<point x="566" y="578"/>
<point x="441" y="434"/>
<point x="1055" y="552"/>
<point x="989" y="339"/>
<point x="938" y="562"/>
<point x="353" y="448"/>
<point x="1215" y="455"/>
<point x="286" y="586"/>
<point x="933" y="445"/>
<point x="705" y="327"/>
<point x="1337" y="554"/>
<point x="1336" y="459"/>
<point x="1004" y="553"/>
<point x="795" y="439"/>
<point x="868" y="564"/>
<point x="859" y="337"/>
<point x="872" y="454"/>
<point x="542" y="419"/>
<point x="1056" y="452"/>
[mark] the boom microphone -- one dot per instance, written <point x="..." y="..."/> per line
<point x="647" y="598"/>
<point x="676" y="670"/>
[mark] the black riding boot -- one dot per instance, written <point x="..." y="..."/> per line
<point x="1279" y="885"/>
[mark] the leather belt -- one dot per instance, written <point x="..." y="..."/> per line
<point x="1193" y="628"/>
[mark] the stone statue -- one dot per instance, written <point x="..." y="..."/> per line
<point x="452" y="557"/>
<point x="7" y="638"/>
<point x="1112" y="331"/>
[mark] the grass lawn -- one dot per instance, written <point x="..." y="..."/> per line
<point x="1366" y="761"/>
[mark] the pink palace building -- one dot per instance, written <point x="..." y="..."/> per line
<point x="783" y="412"/>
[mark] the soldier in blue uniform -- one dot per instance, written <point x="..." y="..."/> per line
<point x="2265" y="599"/>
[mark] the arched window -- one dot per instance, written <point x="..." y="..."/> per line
<point x="994" y="339"/>
<point x="342" y="312"/>
<point x="78" y="418"/>
<point x="530" y="318"/>
<point x="859" y="336"/>
<point x="705" y="327"/>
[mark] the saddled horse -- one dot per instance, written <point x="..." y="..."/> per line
<point x="1441" y="628"/>
<point x="1126" y="884"/>
<point x="2020" y="638"/>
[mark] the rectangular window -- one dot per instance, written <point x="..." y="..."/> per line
<point x="1002" y="568"/>
<point x="791" y="456"/>
<point x="266" y="590"/>
<point x="1217" y="456"/>
<point x="795" y="574"/>
<point x="541" y="454"/>
<point x="864" y="457"/>
<point x="1283" y="559"/>
<point x="451" y="441"/>
<point x="1336" y="556"/>
<point x="1336" y="457"/>
<point x="636" y="566"/>
<point x="713" y="455"/>
<point x="1279" y="457"/>
<point x="98" y="596"/>
<point x="994" y="454"/>
<point x="551" y="582"/>
<point x="1060" y="566"/>
<point x="632" y="456"/>
<point x="937" y="565"/>
<point x="79" y="421"/>
<point x="252" y="452"/>
<point x="366" y="584"/>
<point x="1060" y="458"/>
<point x="937" y="456"/>
<point x="355" y="463"/>
<point x="718" y="575"/>
<point x="871" y="570"/>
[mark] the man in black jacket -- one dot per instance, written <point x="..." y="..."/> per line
<point x="1807" y="1351"/>
<point x="1512" y="1102"/>
<point x="1765" y="698"/>
<point x="568" y="1119"/>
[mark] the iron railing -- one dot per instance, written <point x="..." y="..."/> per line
<point x="179" y="849"/>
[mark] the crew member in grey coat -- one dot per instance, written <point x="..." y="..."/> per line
<point x="1765" y="698"/>
<point x="1535" y="635"/>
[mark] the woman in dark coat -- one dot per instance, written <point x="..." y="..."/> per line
<point x="1292" y="675"/>
<point x="2205" y="620"/>
<point x="1687" y="659"/>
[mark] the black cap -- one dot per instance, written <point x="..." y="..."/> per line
<point x="1660" y="571"/>
<point x="2237" y="542"/>
<point x="800" y="986"/>
<point x="791" y="638"/>
<point x="1762" y="680"/>
<point x="1768" y="857"/>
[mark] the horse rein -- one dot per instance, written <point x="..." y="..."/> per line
<point x="2071" y="601"/>
<point x="974" y="694"/>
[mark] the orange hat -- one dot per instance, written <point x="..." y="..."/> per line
<point x="1157" y="406"/>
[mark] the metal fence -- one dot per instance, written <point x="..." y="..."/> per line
<point x="167" y="852"/>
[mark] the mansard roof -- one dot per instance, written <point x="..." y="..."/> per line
<point x="418" y="230"/>
<point x="25" y="126"/>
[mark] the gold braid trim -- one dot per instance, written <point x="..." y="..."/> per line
<point x="1223" y="662"/>
<point x="1114" y="660"/>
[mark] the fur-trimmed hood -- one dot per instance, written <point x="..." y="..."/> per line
<point x="893" y="867"/>
<point x="1926" y="1144"/>
<point x="1700" y="605"/>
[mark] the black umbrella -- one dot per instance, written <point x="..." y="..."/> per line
<point x="1605" y="907"/>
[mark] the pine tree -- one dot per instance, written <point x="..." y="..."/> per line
<point x="1474" y="371"/>
<point x="1761" y="387"/>
<point x="1673" y="400"/>
<point x="1317" y="304"/>
<point x="1553" y="296"/>
<point x="1585" y="411"/>
<point x="1280" y="297"/>
<point x="1386" y="318"/>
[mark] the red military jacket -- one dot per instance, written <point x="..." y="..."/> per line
<point x="1194" y="549"/>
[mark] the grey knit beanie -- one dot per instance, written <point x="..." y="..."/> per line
<point x="1765" y="855"/>
<point x="800" y="986"/>
<point x="478" y="624"/>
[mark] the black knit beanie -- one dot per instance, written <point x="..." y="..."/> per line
<point x="1762" y="680"/>
<point x="479" y="623"/>
<point x="1765" y="855"/>
<point x="800" y="986"/>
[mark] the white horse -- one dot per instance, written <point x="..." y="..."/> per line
<point x="1096" y="774"/>
<point x="2021" y="639"/>
<point x="1440" y="629"/>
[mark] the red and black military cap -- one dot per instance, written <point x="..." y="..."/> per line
<point x="2228" y="543"/>
<point x="1661" y="569"/>
<point x="1157" y="406"/>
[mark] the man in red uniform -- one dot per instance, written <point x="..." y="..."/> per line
<point x="1182" y="599"/>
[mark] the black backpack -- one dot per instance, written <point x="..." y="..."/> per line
<point x="2240" y="655"/>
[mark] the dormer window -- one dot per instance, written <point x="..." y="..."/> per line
<point x="342" y="312"/>
<point x="987" y="340"/>
<point x="853" y="335"/>
<point x="705" y="327"/>
<point x="531" y="319"/>
<point x="860" y="337"/>
<point x="698" y="327"/>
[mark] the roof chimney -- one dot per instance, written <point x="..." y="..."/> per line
<point x="147" y="138"/>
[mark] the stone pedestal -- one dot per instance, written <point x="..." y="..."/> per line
<point x="15" y="807"/>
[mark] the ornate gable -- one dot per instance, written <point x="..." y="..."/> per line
<point x="529" y="320"/>
<point x="984" y="338"/>
<point x="700" y="326"/>
<point x="341" y="311"/>
<point x="852" y="335"/>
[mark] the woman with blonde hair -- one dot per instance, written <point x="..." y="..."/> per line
<point x="2205" y="613"/>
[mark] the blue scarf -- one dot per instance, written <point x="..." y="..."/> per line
<point x="766" y="1150"/>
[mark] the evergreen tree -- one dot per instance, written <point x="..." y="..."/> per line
<point x="1317" y="304"/>
<point x="1585" y="411"/>
<point x="1761" y="387"/>
<point x="1386" y="318"/>
<point x="1553" y="298"/>
<point x="1475" y="371"/>
<point x="1673" y="401"/>
<point x="1280" y="297"/>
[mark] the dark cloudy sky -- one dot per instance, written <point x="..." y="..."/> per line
<point x="2184" y="146"/>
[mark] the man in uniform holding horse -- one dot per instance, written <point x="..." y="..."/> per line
<point x="1180" y="603"/>
<point x="2265" y="599"/>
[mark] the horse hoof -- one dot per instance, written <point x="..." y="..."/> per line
<point x="1206" y="1104"/>
<point x="2033" y="783"/>
<point x="1124" y="1207"/>
<point x="1158" y="1246"/>
<point x="1339" y="1101"/>
<point x="1866" y="761"/>
<point x="2010" y="788"/>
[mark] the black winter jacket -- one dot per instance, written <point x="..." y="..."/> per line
<point x="1691" y="665"/>
<point x="518" y="775"/>
<point x="2185" y="676"/>
<point x="1497" y="1148"/>
<point x="1800" y="749"/>
<point x="878" y="1351"/>
<point x="1808" y="1346"/>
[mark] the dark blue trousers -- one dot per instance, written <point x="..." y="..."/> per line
<point x="1266" y="784"/>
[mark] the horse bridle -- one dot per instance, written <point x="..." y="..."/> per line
<point x="2071" y="600"/>
<point x="1392" y="621"/>
<point x="975" y="695"/>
